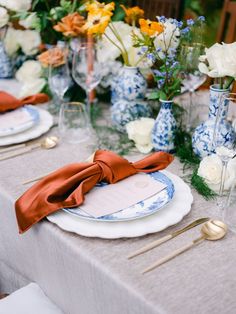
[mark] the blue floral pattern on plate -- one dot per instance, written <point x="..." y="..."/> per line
<point x="144" y="208"/>
<point x="33" y="120"/>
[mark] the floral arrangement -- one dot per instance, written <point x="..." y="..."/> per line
<point x="18" y="32"/>
<point x="160" y="41"/>
<point x="219" y="62"/>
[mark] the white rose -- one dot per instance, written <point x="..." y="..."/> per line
<point x="140" y="132"/>
<point x="169" y="38"/>
<point x="219" y="60"/>
<point x="30" y="21"/>
<point x="210" y="169"/>
<point x="4" y="17"/>
<point x="11" y="43"/>
<point x="32" y="87"/>
<point x="29" y="41"/>
<point x="30" y="70"/>
<point x="107" y="51"/>
<point x="16" y="5"/>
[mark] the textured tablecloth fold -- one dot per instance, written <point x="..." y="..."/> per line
<point x="9" y="102"/>
<point x="67" y="186"/>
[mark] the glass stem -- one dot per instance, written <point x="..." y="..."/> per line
<point x="88" y="105"/>
<point x="222" y="179"/>
<point x="190" y="110"/>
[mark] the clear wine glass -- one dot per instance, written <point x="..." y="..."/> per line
<point x="59" y="78"/>
<point x="86" y="70"/>
<point x="225" y="150"/>
<point x="229" y="214"/>
<point x="192" y="77"/>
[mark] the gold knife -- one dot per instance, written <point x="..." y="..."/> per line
<point x="166" y="238"/>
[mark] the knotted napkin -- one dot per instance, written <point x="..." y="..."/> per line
<point x="67" y="186"/>
<point x="9" y="102"/>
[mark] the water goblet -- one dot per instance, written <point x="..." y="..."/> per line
<point x="86" y="70"/>
<point x="59" y="78"/>
<point x="225" y="149"/>
<point x="229" y="214"/>
<point x="192" y="77"/>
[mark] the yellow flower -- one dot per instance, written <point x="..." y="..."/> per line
<point x="132" y="14"/>
<point x="95" y="5"/>
<point x="97" y="21"/>
<point x="151" y="28"/>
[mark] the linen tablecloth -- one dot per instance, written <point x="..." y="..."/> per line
<point x="93" y="276"/>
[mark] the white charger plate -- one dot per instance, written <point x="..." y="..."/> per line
<point x="44" y="124"/>
<point x="11" y="129"/>
<point x="165" y="217"/>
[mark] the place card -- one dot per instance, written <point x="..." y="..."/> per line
<point x="111" y="198"/>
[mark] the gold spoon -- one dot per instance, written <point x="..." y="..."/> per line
<point x="211" y="230"/>
<point x="47" y="143"/>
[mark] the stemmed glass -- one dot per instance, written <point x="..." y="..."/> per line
<point x="229" y="215"/>
<point x="224" y="150"/>
<point x="59" y="78"/>
<point x="193" y="78"/>
<point x="86" y="70"/>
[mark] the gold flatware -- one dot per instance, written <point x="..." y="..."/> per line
<point x="212" y="230"/>
<point x="47" y="143"/>
<point x="89" y="159"/>
<point x="166" y="238"/>
<point x="11" y="148"/>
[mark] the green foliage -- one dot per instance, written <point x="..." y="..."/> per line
<point x="200" y="185"/>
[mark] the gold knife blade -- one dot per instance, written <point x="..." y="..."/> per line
<point x="166" y="238"/>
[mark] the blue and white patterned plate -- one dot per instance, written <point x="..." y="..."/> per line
<point x="30" y="115"/>
<point x="139" y="210"/>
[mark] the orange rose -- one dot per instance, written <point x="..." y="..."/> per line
<point x="71" y="25"/>
<point x="54" y="57"/>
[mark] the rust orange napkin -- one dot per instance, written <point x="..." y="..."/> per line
<point x="9" y="102"/>
<point x="67" y="186"/>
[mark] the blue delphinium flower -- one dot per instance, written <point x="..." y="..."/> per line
<point x="201" y="18"/>
<point x="162" y="19"/>
<point x="190" y="22"/>
<point x="185" y="30"/>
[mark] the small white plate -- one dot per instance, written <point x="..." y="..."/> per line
<point x="18" y="120"/>
<point x="44" y="124"/>
<point x="169" y="215"/>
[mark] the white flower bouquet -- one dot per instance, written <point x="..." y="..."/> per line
<point x="219" y="61"/>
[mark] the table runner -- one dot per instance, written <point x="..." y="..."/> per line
<point x="93" y="276"/>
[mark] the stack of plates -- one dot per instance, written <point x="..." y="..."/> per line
<point x="23" y="124"/>
<point x="151" y="215"/>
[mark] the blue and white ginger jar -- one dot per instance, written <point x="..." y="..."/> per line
<point x="163" y="133"/>
<point x="202" y="139"/>
<point x="127" y="97"/>
<point x="6" y="69"/>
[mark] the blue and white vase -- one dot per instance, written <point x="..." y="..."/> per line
<point x="6" y="69"/>
<point x="202" y="139"/>
<point x="127" y="98"/>
<point x="163" y="133"/>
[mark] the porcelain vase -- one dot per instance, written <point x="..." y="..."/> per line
<point x="163" y="133"/>
<point x="128" y="94"/>
<point x="6" y="69"/>
<point x="202" y="139"/>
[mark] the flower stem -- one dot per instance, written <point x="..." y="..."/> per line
<point x="116" y="34"/>
<point x="230" y="81"/>
<point x="115" y="44"/>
